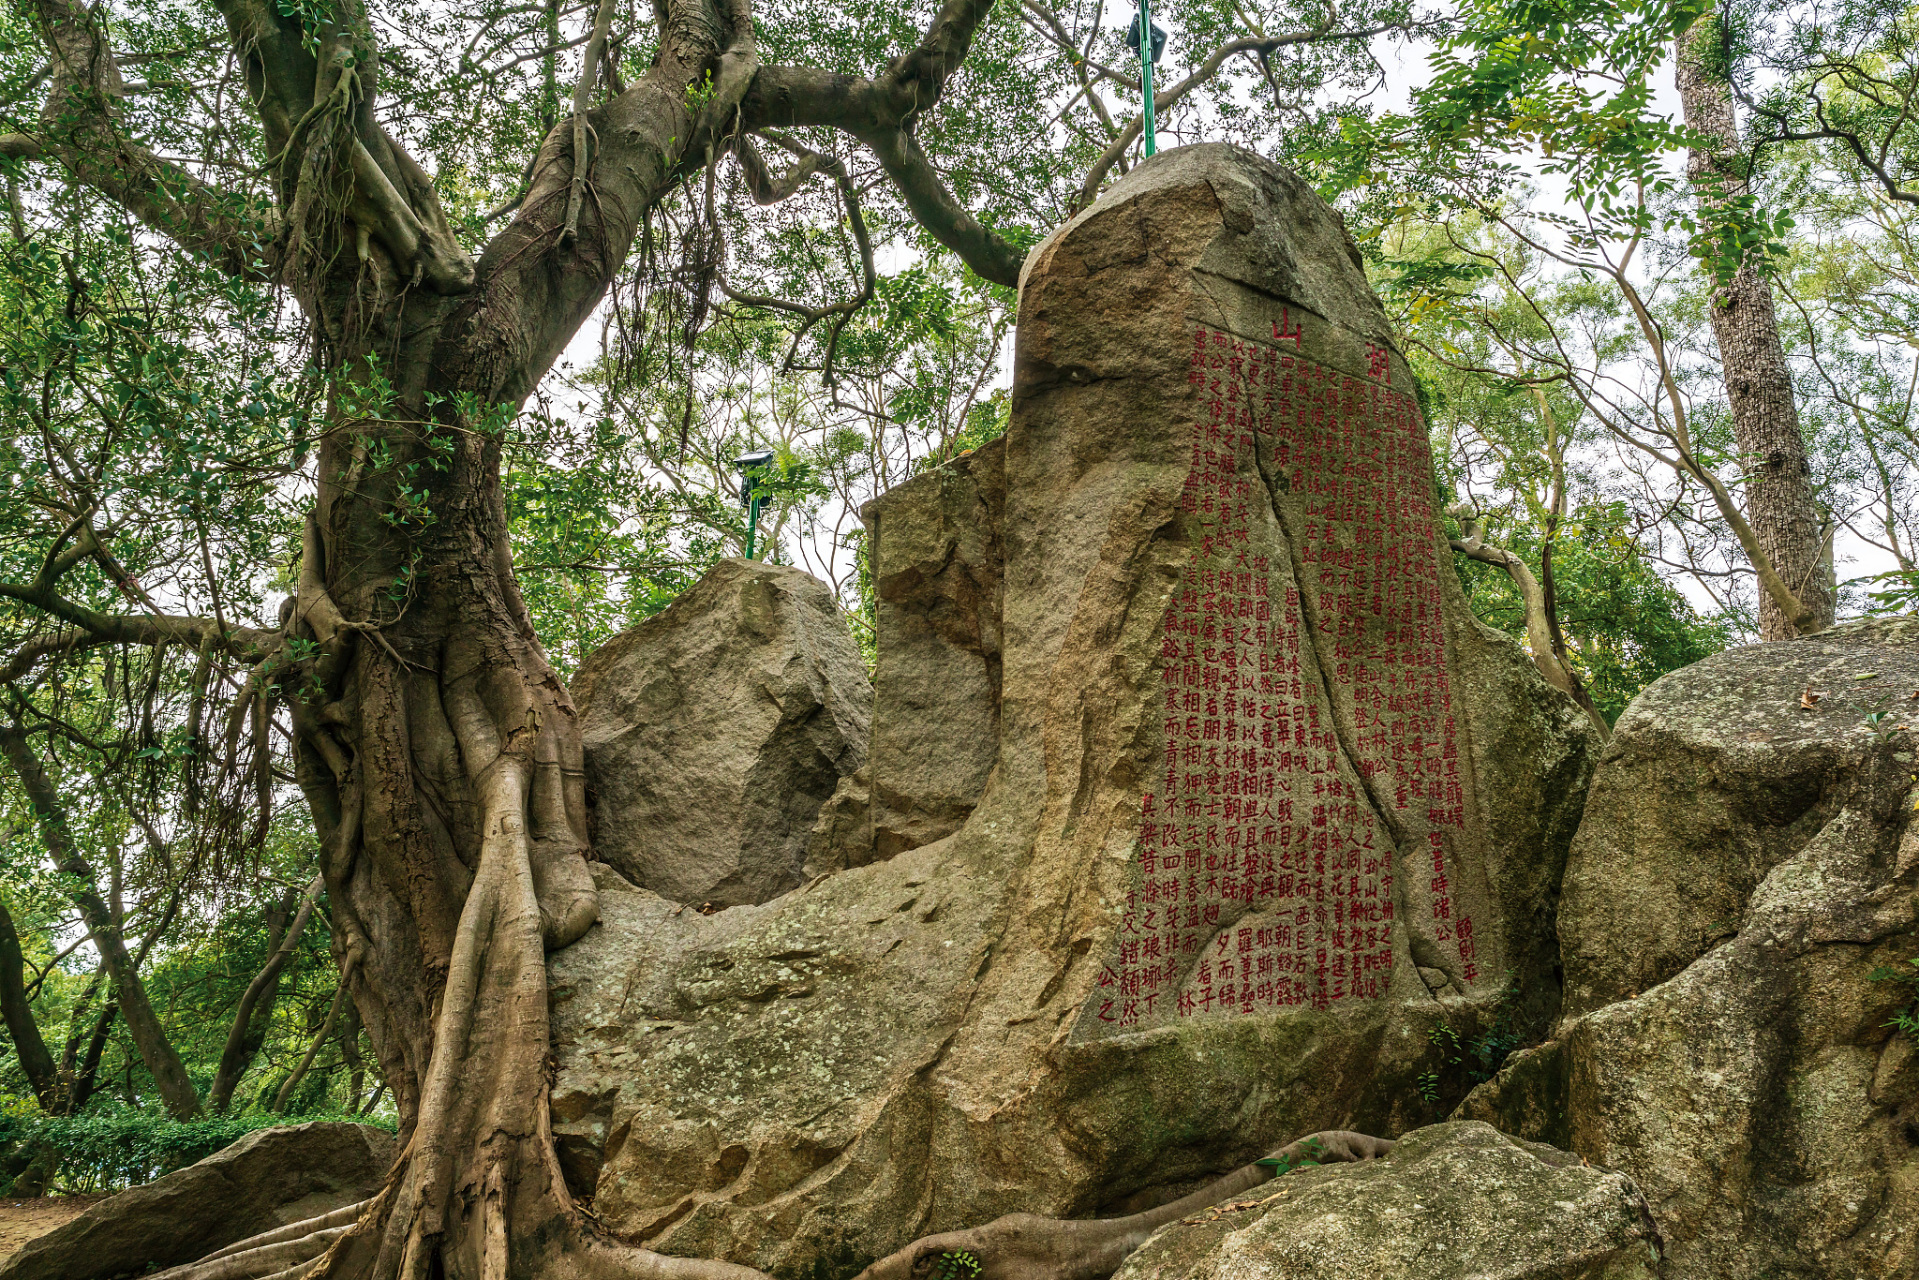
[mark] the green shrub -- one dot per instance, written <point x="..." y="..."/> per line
<point x="113" y="1148"/>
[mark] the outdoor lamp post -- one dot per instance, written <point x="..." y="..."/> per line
<point x="749" y="463"/>
<point x="1149" y="52"/>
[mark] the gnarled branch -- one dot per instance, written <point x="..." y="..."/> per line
<point x="82" y="130"/>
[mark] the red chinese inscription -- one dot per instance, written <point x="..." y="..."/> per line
<point x="1264" y="877"/>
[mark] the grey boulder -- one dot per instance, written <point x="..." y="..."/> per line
<point x="270" y="1178"/>
<point x="1747" y="863"/>
<point x="716" y="729"/>
<point x="1452" y="1202"/>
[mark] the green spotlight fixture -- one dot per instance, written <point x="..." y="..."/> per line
<point x="749" y="465"/>
<point x="1149" y="51"/>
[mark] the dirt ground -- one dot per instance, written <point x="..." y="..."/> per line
<point x="22" y="1220"/>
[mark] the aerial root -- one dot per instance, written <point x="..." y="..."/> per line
<point x="599" y="1259"/>
<point x="279" y="1254"/>
<point x="1023" y="1246"/>
<point x="1019" y="1246"/>
<point x="345" y="1215"/>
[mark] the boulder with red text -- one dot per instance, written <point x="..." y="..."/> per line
<point x="1739" y="902"/>
<point x="1265" y="807"/>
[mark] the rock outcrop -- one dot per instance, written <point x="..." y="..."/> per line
<point x="716" y="729"/>
<point x="1452" y="1202"/>
<point x="1748" y="860"/>
<point x="936" y="578"/>
<point x="1264" y="805"/>
<point x="270" y="1178"/>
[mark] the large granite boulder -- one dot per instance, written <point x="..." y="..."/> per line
<point x="1748" y="861"/>
<point x="1452" y="1202"/>
<point x="1263" y="807"/>
<point x="716" y="729"/>
<point x="270" y="1178"/>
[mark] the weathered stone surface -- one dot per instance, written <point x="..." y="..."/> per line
<point x="962" y="1030"/>
<point x="715" y="730"/>
<point x="936" y="574"/>
<point x="1452" y="1202"/>
<point x="1745" y="864"/>
<point x="268" y="1179"/>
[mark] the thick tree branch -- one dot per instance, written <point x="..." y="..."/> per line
<point x="81" y="129"/>
<point x="249" y="1029"/>
<point x="36" y="1061"/>
<point x="582" y="98"/>
<point x="880" y="113"/>
<point x="1534" y="603"/>
<point x="247" y="643"/>
<point x="809" y="161"/>
<point x="934" y="208"/>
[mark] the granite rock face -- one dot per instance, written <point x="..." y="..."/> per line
<point x="270" y="1178"/>
<point x="1197" y="799"/>
<point x="1452" y="1202"/>
<point x="1747" y="862"/>
<point x="936" y="577"/>
<point x="715" y="730"/>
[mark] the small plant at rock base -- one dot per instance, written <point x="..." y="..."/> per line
<point x="1907" y="1019"/>
<point x="1481" y="1057"/>
<point x="1282" y="1165"/>
<point x="955" y="1264"/>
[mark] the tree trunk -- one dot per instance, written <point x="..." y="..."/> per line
<point x="36" y="1061"/>
<point x="444" y="768"/>
<point x="156" y="1051"/>
<point x="440" y="752"/>
<point x="1537" y="607"/>
<point x="350" y="1055"/>
<point x="1781" y="503"/>
<point x="251" y="1019"/>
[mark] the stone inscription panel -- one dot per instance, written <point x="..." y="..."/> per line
<point x="1264" y="878"/>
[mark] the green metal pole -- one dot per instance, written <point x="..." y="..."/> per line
<point x="752" y="525"/>
<point x="1146" y="71"/>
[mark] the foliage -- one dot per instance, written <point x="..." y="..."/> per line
<point x="1471" y="1060"/>
<point x="1907" y="1019"/>
<point x="108" y="1149"/>
<point x="956" y="1264"/>
<point x="1625" y="623"/>
<point x="1282" y="1165"/>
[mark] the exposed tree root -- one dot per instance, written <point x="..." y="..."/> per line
<point x="1023" y="1246"/>
<point x="1019" y="1246"/>
<point x="297" y="1243"/>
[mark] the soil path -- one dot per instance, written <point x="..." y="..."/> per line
<point x="23" y="1220"/>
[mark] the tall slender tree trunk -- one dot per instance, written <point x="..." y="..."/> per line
<point x="156" y="1050"/>
<point x="1781" y="502"/>
<point x="36" y="1060"/>
<point x="255" y="1013"/>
